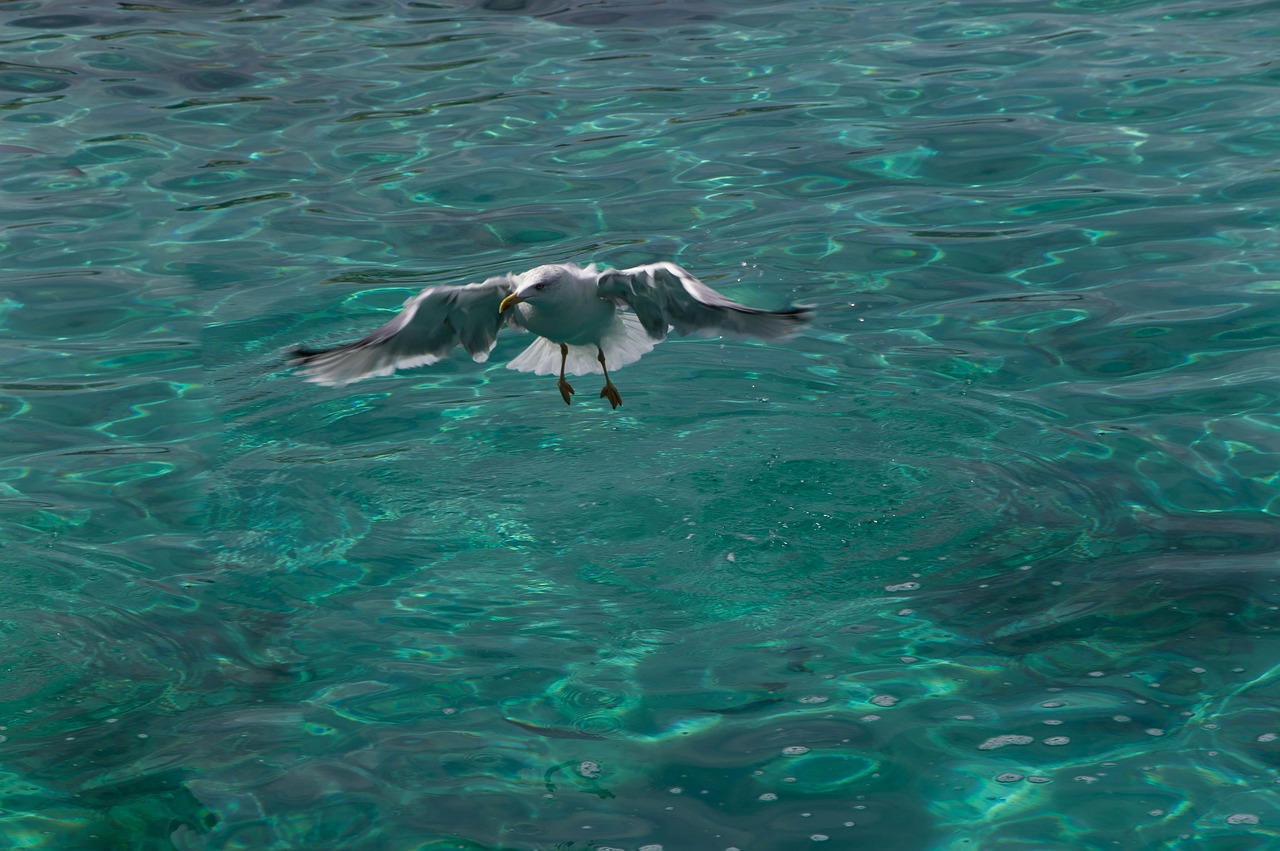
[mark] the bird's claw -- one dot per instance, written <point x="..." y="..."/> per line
<point x="566" y="390"/>
<point x="611" y="393"/>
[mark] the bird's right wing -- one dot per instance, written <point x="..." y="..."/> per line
<point x="429" y="326"/>
<point x="664" y="295"/>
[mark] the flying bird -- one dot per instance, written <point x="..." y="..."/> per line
<point x="586" y="318"/>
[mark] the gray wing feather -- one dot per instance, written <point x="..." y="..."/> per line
<point x="425" y="331"/>
<point x="663" y="296"/>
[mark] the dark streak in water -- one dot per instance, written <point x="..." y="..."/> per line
<point x="753" y="706"/>
<point x="552" y="732"/>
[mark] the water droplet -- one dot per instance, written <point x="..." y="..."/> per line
<point x="1268" y="737"/>
<point x="819" y="837"/>
<point x="769" y="796"/>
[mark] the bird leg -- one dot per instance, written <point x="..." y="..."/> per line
<point x="609" y="392"/>
<point x="566" y="390"/>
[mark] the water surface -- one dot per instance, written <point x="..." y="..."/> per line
<point x="984" y="560"/>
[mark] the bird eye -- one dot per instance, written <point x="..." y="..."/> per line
<point x="539" y="286"/>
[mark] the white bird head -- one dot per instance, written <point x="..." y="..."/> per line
<point x="539" y="284"/>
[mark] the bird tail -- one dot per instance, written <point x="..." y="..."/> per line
<point x="625" y="342"/>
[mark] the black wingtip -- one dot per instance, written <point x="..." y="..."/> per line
<point x="800" y="313"/>
<point x="300" y="356"/>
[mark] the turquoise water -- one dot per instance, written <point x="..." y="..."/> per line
<point x="984" y="560"/>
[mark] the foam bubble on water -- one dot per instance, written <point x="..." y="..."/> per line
<point x="1057" y="740"/>
<point x="819" y="837"/>
<point x="1008" y="777"/>
<point x="884" y="700"/>
<point x="768" y="796"/>
<point x="1242" y="818"/>
<point x="1268" y="737"/>
<point x="996" y="742"/>
<point x="795" y="750"/>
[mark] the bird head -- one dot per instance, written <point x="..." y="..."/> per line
<point x="540" y="284"/>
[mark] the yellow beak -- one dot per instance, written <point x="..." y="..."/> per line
<point x="514" y="298"/>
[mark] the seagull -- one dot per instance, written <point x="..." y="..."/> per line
<point x="591" y="318"/>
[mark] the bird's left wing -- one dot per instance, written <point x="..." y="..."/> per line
<point x="429" y="326"/>
<point x="665" y="296"/>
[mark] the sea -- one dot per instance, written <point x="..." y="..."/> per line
<point x="983" y="560"/>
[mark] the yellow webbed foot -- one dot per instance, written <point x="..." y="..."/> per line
<point x="611" y="393"/>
